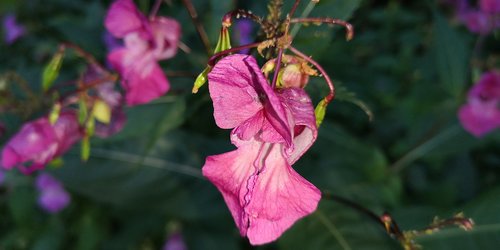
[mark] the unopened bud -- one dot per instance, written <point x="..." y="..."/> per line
<point x="293" y="77"/>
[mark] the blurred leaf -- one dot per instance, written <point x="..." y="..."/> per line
<point x="484" y="236"/>
<point x="343" y="94"/>
<point x="51" y="70"/>
<point x="451" y="57"/>
<point x="335" y="227"/>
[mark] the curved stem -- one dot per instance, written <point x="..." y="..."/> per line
<point x="214" y="58"/>
<point x="329" y="81"/>
<point x="347" y="25"/>
<point x="294" y="8"/>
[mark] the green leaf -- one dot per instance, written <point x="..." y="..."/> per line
<point x="51" y="70"/>
<point x="451" y="57"/>
<point x="343" y="94"/>
<point x="54" y="113"/>
<point x="85" y="149"/>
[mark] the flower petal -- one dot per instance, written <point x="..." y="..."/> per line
<point x="479" y="119"/>
<point x="239" y="90"/>
<point x="264" y="194"/>
<point x="301" y="108"/>
<point x="232" y="91"/>
<point x="143" y="87"/>
<point x="123" y="17"/>
<point x="166" y="32"/>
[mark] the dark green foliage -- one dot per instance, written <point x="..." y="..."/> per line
<point x="409" y="64"/>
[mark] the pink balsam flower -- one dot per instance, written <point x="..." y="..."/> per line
<point x="481" y="114"/>
<point x="146" y="41"/>
<point x="271" y="130"/>
<point x="39" y="142"/>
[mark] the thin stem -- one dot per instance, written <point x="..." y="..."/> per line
<point x="424" y="148"/>
<point x="294" y="8"/>
<point x="84" y="54"/>
<point x="333" y="230"/>
<point x="227" y="19"/>
<point x="334" y="21"/>
<point x="277" y="69"/>
<point x="305" y="13"/>
<point x="90" y="85"/>
<point x="214" y="58"/>
<point x="329" y="81"/>
<point x="155" y="9"/>
<point x="197" y="24"/>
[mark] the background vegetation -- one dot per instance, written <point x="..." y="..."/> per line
<point x="411" y="62"/>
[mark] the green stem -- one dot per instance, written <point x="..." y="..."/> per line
<point x="309" y="8"/>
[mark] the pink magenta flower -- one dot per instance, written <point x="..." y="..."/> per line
<point x="481" y="114"/>
<point x="53" y="197"/>
<point x="38" y="142"/>
<point x="271" y="130"/>
<point x="146" y="42"/>
<point x="490" y="6"/>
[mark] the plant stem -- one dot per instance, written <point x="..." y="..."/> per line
<point x="305" y="13"/>
<point x="214" y="58"/>
<point x="329" y="81"/>
<point x="277" y="69"/>
<point x="197" y="24"/>
<point x="155" y="9"/>
<point x="347" y="25"/>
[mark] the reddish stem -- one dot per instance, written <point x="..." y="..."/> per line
<point x="329" y="81"/>
<point x="155" y="9"/>
<point x="197" y="24"/>
<point x="294" y="8"/>
<point x="347" y="25"/>
<point x="277" y="69"/>
<point x="214" y="58"/>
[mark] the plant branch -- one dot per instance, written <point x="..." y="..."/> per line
<point x="217" y="56"/>
<point x="197" y="24"/>
<point x="320" y="20"/>
<point x="328" y="80"/>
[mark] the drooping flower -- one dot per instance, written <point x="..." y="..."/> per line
<point x="12" y="29"/>
<point x="175" y="242"/>
<point x="53" y="197"/>
<point x="146" y="42"/>
<point x="39" y="142"/>
<point x="261" y="189"/>
<point x="481" y="114"/>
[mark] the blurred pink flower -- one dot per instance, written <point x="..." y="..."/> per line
<point x="38" y="142"/>
<point x="53" y="198"/>
<point x="479" y="22"/>
<point x="481" y="114"/>
<point x="482" y="20"/>
<point x="12" y="29"/>
<point x="490" y="6"/>
<point x="271" y="131"/>
<point x="146" y="42"/>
